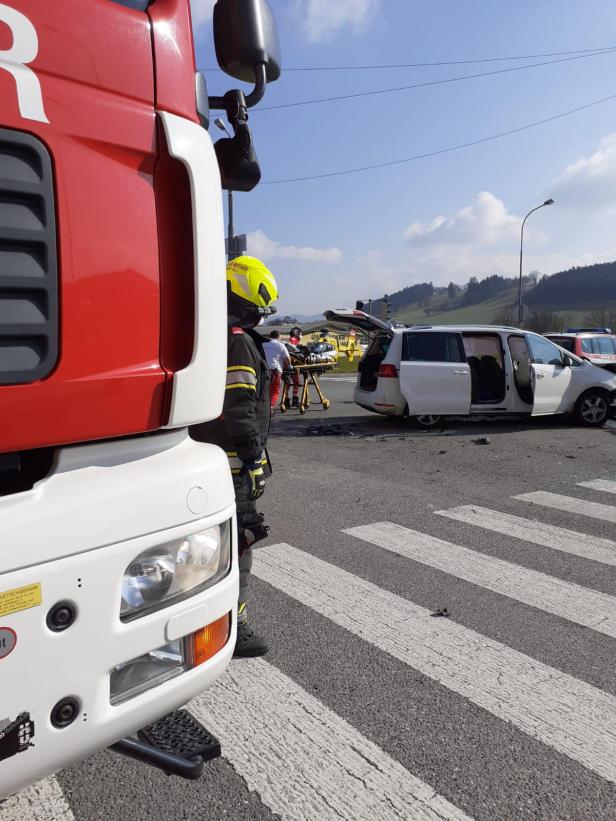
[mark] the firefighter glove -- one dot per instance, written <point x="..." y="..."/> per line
<point x="255" y="478"/>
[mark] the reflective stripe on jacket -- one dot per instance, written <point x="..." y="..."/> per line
<point x="243" y="428"/>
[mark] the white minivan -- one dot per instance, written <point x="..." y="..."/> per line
<point x="429" y="372"/>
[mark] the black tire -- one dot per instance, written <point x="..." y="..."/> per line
<point x="428" y="422"/>
<point x="592" y="409"/>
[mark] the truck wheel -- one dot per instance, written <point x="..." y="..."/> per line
<point x="427" y="422"/>
<point x="592" y="409"/>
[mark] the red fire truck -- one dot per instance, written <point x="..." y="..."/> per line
<point x="118" y="573"/>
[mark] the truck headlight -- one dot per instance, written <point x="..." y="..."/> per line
<point x="173" y="571"/>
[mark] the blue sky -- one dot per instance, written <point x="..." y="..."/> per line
<point x="449" y="217"/>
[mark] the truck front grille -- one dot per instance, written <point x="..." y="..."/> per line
<point x="28" y="260"/>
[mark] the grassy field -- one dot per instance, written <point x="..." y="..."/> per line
<point x="348" y="366"/>
<point x="483" y="313"/>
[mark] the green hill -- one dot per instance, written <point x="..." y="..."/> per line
<point x="438" y="311"/>
<point x="501" y="310"/>
<point x="584" y="295"/>
<point x="590" y="286"/>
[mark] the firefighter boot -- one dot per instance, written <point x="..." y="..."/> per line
<point x="248" y="644"/>
<point x="295" y="402"/>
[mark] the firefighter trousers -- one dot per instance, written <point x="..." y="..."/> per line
<point x="251" y="528"/>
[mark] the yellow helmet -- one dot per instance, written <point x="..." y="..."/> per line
<point x="252" y="282"/>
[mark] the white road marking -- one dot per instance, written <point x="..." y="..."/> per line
<point x="338" y="378"/>
<point x="593" y="510"/>
<point x="558" y="538"/>
<point x="44" y="801"/>
<point x="307" y="763"/>
<point x="569" y="601"/>
<point x="571" y="716"/>
<point x="600" y="484"/>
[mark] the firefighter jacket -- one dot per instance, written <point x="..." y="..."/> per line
<point x="243" y="428"/>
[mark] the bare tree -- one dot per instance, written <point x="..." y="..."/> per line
<point x="601" y="318"/>
<point x="507" y="315"/>
<point x="544" y="322"/>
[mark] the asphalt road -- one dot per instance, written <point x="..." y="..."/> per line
<point x="370" y="707"/>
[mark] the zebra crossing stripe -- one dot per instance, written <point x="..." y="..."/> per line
<point x="593" y="510"/>
<point x="564" y="599"/>
<point x="43" y="801"/>
<point x="571" y="716"/>
<point x="307" y="763"/>
<point x="600" y="484"/>
<point x="558" y="538"/>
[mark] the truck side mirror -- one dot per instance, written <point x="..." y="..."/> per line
<point x="246" y="41"/>
<point x="237" y="161"/>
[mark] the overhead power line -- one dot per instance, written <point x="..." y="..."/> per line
<point x="427" y="83"/>
<point x="442" y="62"/>
<point x="447" y="150"/>
<point x="451" y="62"/>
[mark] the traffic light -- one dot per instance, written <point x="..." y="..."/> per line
<point x="387" y="306"/>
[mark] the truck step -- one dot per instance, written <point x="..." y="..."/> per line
<point x="178" y="744"/>
<point x="181" y="734"/>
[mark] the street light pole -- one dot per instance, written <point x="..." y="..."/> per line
<point x="532" y="211"/>
<point x="230" y="228"/>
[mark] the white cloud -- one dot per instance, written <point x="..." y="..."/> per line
<point x="589" y="183"/>
<point x="484" y="223"/>
<point x="478" y="240"/>
<point x="201" y="11"/>
<point x="322" y="19"/>
<point x="260" y="245"/>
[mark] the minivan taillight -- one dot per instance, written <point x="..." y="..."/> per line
<point x="387" y="372"/>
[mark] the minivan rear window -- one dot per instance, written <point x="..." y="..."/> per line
<point x="433" y="346"/>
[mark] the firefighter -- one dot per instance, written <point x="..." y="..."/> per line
<point x="295" y="338"/>
<point x="243" y="428"/>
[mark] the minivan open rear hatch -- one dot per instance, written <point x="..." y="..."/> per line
<point x="358" y="319"/>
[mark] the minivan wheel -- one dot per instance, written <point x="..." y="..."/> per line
<point x="592" y="409"/>
<point x="428" y="422"/>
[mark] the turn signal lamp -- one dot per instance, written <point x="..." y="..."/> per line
<point x="387" y="372"/>
<point x="140" y="674"/>
<point x="209" y="640"/>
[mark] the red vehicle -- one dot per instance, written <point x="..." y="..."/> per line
<point x="118" y="574"/>
<point x="597" y="345"/>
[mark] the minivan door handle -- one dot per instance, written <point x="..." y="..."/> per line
<point x="540" y="375"/>
<point x="460" y="373"/>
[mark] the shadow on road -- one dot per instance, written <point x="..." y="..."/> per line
<point x="368" y="426"/>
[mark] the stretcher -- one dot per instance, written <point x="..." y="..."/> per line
<point x="309" y="373"/>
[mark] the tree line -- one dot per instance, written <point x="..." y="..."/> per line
<point x="576" y="288"/>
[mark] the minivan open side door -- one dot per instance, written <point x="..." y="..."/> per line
<point x="435" y="377"/>
<point x="550" y="377"/>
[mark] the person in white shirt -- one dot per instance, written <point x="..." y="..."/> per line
<point x="277" y="361"/>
